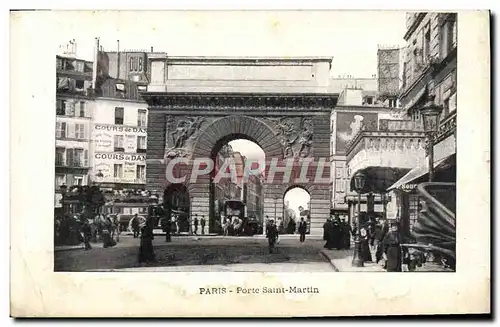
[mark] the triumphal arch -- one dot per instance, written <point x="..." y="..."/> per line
<point x="198" y="104"/>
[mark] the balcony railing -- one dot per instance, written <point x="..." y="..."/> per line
<point x="73" y="164"/>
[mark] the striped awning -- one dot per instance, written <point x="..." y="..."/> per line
<point x="416" y="174"/>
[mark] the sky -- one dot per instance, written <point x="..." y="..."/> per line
<point x="350" y="37"/>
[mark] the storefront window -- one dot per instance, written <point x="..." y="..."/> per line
<point x="413" y="210"/>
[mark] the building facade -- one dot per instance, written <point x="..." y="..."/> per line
<point x="430" y="70"/>
<point x="119" y="136"/>
<point x="74" y="111"/>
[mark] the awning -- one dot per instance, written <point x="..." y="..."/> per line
<point x="419" y="172"/>
<point x="379" y="178"/>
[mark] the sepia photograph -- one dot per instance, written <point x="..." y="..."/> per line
<point x="276" y="143"/>
<point x="240" y="163"/>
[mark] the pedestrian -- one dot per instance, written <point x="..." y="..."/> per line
<point x="302" y="229"/>
<point x="107" y="240"/>
<point x="347" y="235"/>
<point x="202" y="223"/>
<point x="365" y="247"/>
<point x="327" y="234"/>
<point x="271" y="235"/>
<point x="146" y="250"/>
<point x="380" y="231"/>
<point x="87" y="234"/>
<point x="337" y="234"/>
<point x="167" y="226"/>
<point x="195" y="223"/>
<point x="225" y="227"/>
<point x="392" y="249"/>
<point x="135" y="226"/>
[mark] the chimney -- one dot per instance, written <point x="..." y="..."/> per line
<point x="118" y="59"/>
<point x="94" y="65"/>
<point x="74" y="47"/>
<point x="151" y="49"/>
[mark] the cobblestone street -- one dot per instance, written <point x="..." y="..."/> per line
<point x="202" y="254"/>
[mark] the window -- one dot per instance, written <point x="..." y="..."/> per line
<point x="60" y="130"/>
<point x="141" y="144"/>
<point x="369" y="100"/>
<point x="60" y="180"/>
<point x="60" y="107"/>
<point x="141" y="118"/>
<point x="60" y="152"/>
<point x="79" y="131"/>
<point x="79" y="85"/>
<point x="413" y="210"/>
<point x="447" y="35"/>
<point x="119" y="115"/>
<point x="78" y="180"/>
<point x="59" y="63"/>
<point x="77" y="158"/>
<point x="82" y="108"/>
<point x="446" y="107"/>
<point x="141" y="172"/>
<point x="427" y="41"/>
<point x="69" y="108"/>
<point x="119" y="140"/>
<point x="393" y="103"/>
<point x="118" y="170"/>
<point x="79" y="66"/>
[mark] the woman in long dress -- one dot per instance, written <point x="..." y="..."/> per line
<point x="146" y="250"/>
<point x="392" y="249"/>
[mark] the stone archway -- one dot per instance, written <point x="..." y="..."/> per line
<point x="210" y="140"/>
<point x="286" y="126"/>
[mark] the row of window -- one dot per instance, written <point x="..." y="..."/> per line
<point x="72" y="108"/>
<point x="418" y="57"/>
<point x="74" y="65"/>
<point x="141" y="116"/>
<point x="66" y="130"/>
<point x="69" y="180"/>
<point x="140" y="171"/>
<point x="72" y="157"/>
<point x="119" y="143"/>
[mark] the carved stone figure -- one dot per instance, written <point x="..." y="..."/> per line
<point x="306" y="138"/>
<point x="288" y="135"/>
<point x="184" y="130"/>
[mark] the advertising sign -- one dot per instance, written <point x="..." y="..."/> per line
<point x="130" y="144"/>
<point x="120" y="129"/>
<point x="103" y="142"/>
<point x="129" y="171"/>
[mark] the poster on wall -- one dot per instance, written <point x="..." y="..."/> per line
<point x="349" y="124"/>
<point x="130" y="145"/>
<point x="129" y="171"/>
<point x="103" y="142"/>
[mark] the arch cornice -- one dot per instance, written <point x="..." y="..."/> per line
<point x="304" y="103"/>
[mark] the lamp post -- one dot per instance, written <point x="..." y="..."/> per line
<point x="359" y="184"/>
<point x="430" y="114"/>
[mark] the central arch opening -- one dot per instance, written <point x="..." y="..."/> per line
<point x="236" y="200"/>
<point x="296" y="205"/>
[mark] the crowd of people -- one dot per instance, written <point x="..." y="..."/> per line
<point x="375" y="235"/>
